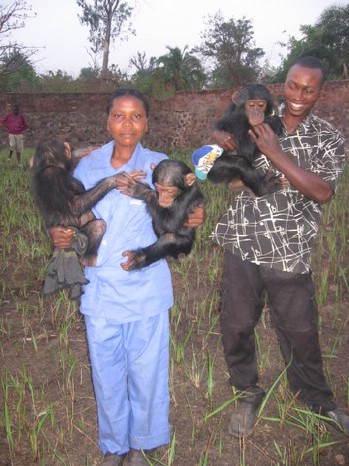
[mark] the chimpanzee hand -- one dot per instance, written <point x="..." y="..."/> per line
<point x="125" y="181"/>
<point x="134" y="261"/>
<point x="129" y="184"/>
<point x="78" y="154"/>
<point x="237" y="185"/>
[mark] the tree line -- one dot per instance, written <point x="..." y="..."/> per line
<point x="226" y="57"/>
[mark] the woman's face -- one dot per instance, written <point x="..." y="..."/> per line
<point x="127" y="121"/>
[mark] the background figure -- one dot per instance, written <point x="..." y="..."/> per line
<point x="268" y="242"/>
<point x="15" y="124"/>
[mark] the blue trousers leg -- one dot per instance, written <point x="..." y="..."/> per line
<point x="130" y="377"/>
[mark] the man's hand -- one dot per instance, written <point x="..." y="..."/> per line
<point x="265" y="138"/>
<point x="196" y="217"/>
<point x="224" y="139"/>
<point x="310" y="184"/>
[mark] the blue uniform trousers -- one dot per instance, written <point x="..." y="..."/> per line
<point x="130" y="377"/>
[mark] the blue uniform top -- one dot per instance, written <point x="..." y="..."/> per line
<point x="112" y="292"/>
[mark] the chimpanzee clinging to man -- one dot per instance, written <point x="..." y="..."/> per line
<point x="251" y="106"/>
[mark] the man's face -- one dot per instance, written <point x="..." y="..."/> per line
<point x="302" y="89"/>
<point x="15" y="110"/>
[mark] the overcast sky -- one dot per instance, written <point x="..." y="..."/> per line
<point x="63" y="42"/>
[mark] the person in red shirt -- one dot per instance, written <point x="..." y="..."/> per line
<point x="15" y="124"/>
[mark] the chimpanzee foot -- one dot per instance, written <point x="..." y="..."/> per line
<point x="255" y="115"/>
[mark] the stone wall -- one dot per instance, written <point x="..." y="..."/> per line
<point x="183" y="121"/>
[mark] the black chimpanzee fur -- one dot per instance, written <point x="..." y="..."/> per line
<point x="173" y="237"/>
<point x="237" y="121"/>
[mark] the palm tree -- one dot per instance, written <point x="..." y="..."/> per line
<point x="180" y="70"/>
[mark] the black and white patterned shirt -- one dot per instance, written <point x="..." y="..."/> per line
<point x="278" y="230"/>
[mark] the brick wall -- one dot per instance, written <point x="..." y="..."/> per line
<point x="183" y="121"/>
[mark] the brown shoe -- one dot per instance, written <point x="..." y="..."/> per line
<point x="339" y="419"/>
<point x="137" y="458"/>
<point x="243" y="419"/>
<point x="113" y="459"/>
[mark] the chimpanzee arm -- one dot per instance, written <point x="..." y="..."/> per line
<point x="135" y="189"/>
<point x="233" y="167"/>
<point x="85" y="201"/>
<point x="87" y="217"/>
<point x="94" y="230"/>
<point x="169" y="244"/>
<point x="165" y="219"/>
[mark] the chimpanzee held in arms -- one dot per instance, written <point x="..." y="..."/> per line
<point x="251" y="106"/>
<point x="176" y="194"/>
<point x="63" y="200"/>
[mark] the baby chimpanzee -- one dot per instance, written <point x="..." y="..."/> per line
<point x="63" y="200"/>
<point x="253" y="105"/>
<point x="176" y="194"/>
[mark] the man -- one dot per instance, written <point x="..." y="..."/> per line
<point x="16" y="124"/>
<point x="268" y="242"/>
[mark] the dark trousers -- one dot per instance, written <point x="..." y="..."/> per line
<point x="294" y="316"/>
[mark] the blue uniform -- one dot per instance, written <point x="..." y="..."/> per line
<point x="126" y="315"/>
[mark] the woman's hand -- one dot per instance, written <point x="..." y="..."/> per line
<point x="61" y="237"/>
<point x="196" y="217"/>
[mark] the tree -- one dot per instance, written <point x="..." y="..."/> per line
<point x="12" y="54"/>
<point x="18" y="73"/>
<point x="140" y="62"/>
<point x="58" y="81"/>
<point x="146" y="78"/>
<point x="181" y="70"/>
<point x="143" y="78"/>
<point x="106" y="20"/>
<point x="230" y="49"/>
<point x="87" y="74"/>
<point x="327" y="40"/>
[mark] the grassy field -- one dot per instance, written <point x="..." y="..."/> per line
<point x="48" y="414"/>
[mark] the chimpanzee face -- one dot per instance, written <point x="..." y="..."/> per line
<point x="259" y="103"/>
<point x="167" y="194"/>
<point x="255" y="111"/>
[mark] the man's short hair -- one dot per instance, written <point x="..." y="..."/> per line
<point x="311" y="62"/>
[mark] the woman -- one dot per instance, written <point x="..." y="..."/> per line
<point x="126" y="313"/>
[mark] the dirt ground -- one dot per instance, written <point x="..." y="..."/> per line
<point x="74" y="435"/>
<point x="48" y="414"/>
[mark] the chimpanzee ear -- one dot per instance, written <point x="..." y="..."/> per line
<point x="190" y="179"/>
<point x="235" y="98"/>
<point x="67" y="150"/>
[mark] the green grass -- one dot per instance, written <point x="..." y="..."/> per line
<point x="47" y="405"/>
